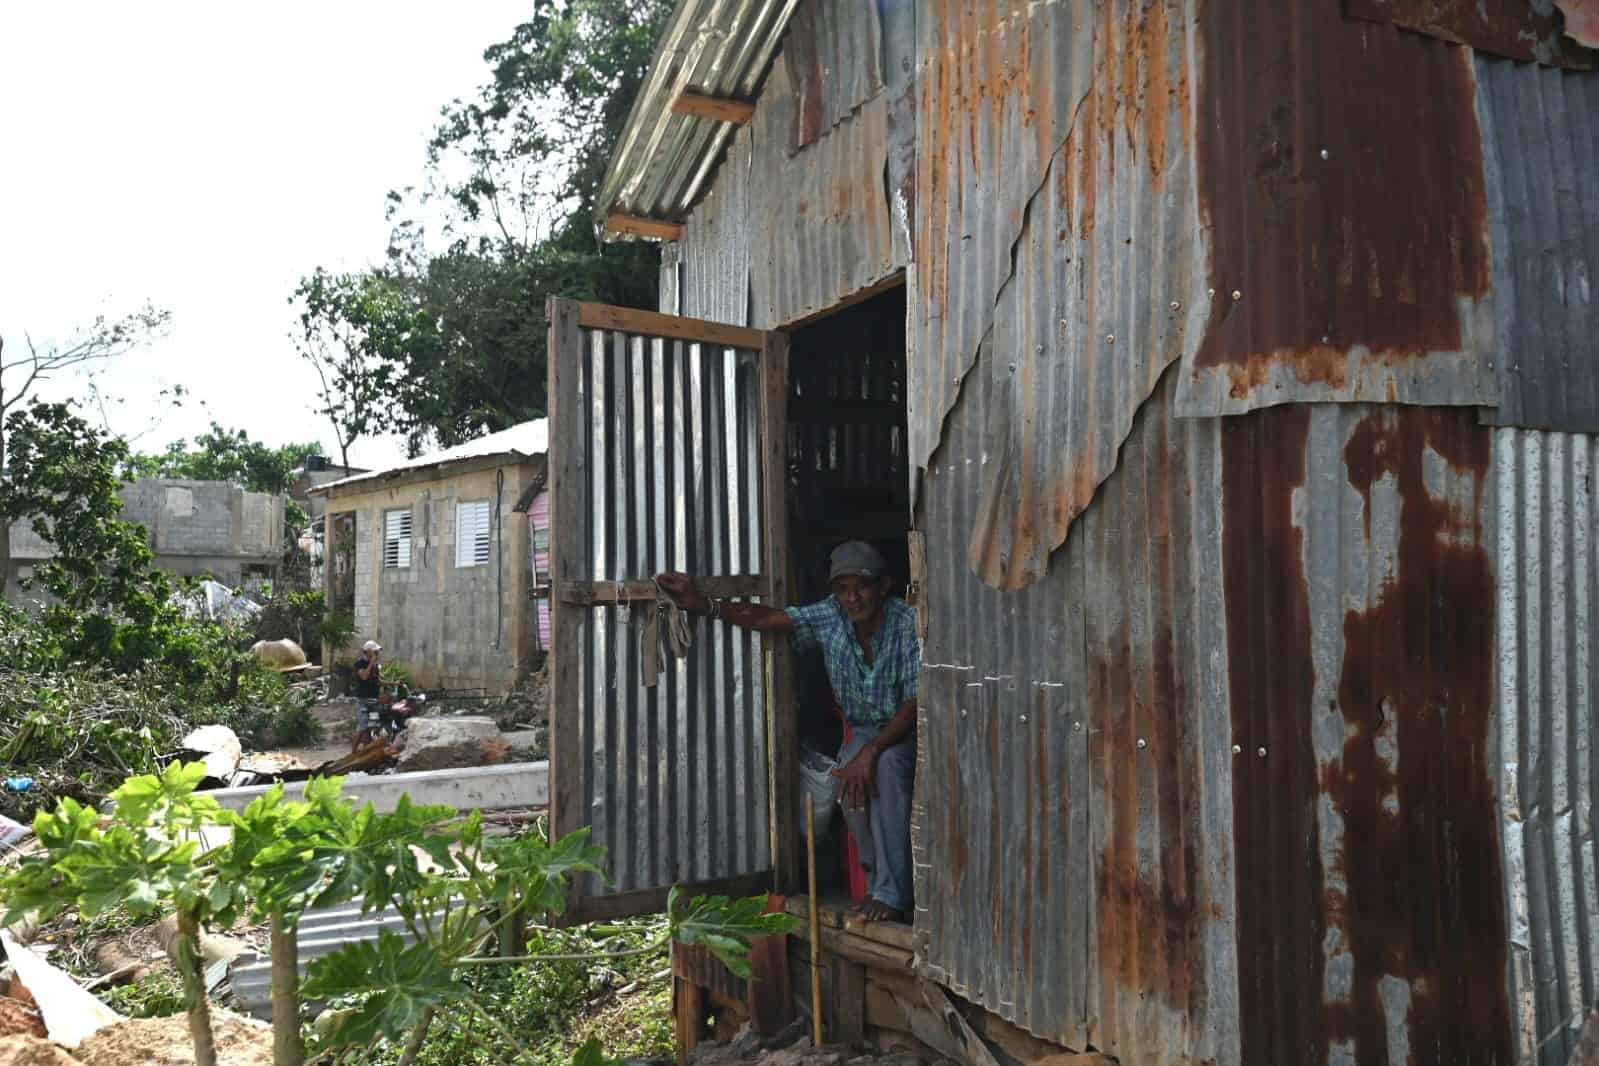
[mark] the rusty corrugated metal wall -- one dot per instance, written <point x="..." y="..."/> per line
<point x="1241" y="717"/>
<point x="825" y="203"/>
<point x="1543" y="184"/>
<point x="1348" y="232"/>
<point x="1244" y="727"/>
<point x="1105" y="291"/>
<point x="1548" y="679"/>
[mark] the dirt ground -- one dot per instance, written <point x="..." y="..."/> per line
<point x="240" y="1041"/>
<point x="32" y="1051"/>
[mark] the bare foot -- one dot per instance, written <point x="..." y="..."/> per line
<point x="875" y="911"/>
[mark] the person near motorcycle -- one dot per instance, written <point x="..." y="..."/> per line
<point x="368" y="692"/>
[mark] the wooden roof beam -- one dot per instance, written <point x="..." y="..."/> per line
<point x="721" y="109"/>
<point x="639" y="226"/>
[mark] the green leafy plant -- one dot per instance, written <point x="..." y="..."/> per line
<point x="456" y="890"/>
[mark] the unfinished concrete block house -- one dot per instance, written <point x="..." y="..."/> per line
<point x="1226" y="374"/>
<point x="435" y="558"/>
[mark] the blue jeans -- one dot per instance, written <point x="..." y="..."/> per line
<point x="882" y="830"/>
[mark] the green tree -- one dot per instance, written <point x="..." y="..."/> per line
<point x="226" y="455"/>
<point x="108" y="601"/>
<point x="446" y="341"/>
<point x="20" y="374"/>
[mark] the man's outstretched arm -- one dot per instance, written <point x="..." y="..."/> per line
<point x="755" y="616"/>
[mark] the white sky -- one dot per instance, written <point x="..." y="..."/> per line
<point x="203" y="157"/>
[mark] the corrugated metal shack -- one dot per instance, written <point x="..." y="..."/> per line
<point x="1251" y="387"/>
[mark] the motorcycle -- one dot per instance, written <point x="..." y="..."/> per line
<point x="397" y="711"/>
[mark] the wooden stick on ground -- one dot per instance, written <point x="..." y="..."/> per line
<point x="816" y="935"/>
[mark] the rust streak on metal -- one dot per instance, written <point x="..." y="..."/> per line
<point x="1272" y="679"/>
<point x="1514" y="29"/>
<point x="1414" y="786"/>
<point x="1330" y="232"/>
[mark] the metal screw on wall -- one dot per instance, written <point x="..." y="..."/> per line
<point x="1142" y="743"/>
<point x="1261" y="752"/>
<point x="1238" y="749"/>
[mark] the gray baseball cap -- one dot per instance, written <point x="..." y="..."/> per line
<point x="855" y="558"/>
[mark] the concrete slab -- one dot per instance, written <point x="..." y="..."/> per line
<point x="485" y="788"/>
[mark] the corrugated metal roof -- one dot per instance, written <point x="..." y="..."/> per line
<point x="825" y="205"/>
<point x="1342" y="185"/>
<point x="1517" y="29"/>
<point x="1548" y="678"/>
<point x="524" y="439"/>
<point x="663" y="160"/>
<point x="1541" y="139"/>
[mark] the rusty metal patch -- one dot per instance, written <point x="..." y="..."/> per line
<point x="998" y="86"/>
<point x="1371" y="920"/>
<point x="1528" y="30"/>
<point x="821" y="217"/>
<point x="1342" y="183"/>
<point x="833" y="51"/>
<point x="1102" y="298"/>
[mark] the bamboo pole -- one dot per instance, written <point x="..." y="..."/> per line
<point x="816" y="921"/>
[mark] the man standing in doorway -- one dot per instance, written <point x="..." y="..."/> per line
<point x="868" y="642"/>
<point x="368" y="690"/>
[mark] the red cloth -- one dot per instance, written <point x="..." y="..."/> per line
<point x="854" y="872"/>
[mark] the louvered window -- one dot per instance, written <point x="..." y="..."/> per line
<point x="396" y="539"/>
<point x="472" y="533"/>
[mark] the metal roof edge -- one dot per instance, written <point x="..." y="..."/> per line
<point x="721" y="50"/>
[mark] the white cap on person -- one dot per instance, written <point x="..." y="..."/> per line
<point x="371" y="645"/>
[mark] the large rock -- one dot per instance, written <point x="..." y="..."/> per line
<point x="446" y="743"/>
<point x="278" y="654"/>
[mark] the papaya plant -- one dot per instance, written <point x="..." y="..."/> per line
<point x="457" y="891"/>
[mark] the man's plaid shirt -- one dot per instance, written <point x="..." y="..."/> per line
<point x="869" y="695"/>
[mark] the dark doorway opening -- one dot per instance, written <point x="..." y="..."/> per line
<point x="848" y="480"/>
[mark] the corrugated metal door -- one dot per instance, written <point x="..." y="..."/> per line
<point x="667" y="453"/>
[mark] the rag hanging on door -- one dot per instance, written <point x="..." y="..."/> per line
<point x="676" y="633"/>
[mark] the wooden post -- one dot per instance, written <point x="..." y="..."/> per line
<point x="783" y="726"/>
<point x="816" y="930"/>
<point x="569" y="533"/>
<point x="688" y="1007"/>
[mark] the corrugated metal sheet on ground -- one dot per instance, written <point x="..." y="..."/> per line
<point x="1518" y="29"/>
<point x="1548" y="677"/>
<point x="821" y="217"/>
<point x="1342" y="182"/>
<point x="664" y="160"/>
<point x="833" y="52"/>
<point x="322" y="931"/>
<point x="673" y="777"/>
<point x="998" y="86"/>
<point x="1541" y="135"/>
<point x="1106" y="292"/>
<point x="1311" y="585"/>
